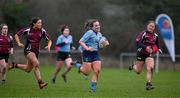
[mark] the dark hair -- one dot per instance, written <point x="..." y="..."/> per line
<point x="34" y="20"/>
<point x="151" y="21"/>
<point x="89" y="23"/>
<point x="62" y="27"/>
<point x="1" y="26"/>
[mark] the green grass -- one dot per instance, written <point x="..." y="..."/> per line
<point x="112" y="83"/>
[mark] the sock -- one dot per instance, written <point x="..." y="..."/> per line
<point x="78" y="65"/>
<point x="39" y="81"/>
<point x="93" y="85"/>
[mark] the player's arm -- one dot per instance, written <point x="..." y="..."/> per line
<point x="147" y="48"/>
<point x="158" y="46"/>
<point x="49" y="45"/>
<point x="47" y="37"/>
<point x="19" y="34"/>
<point x="82" y="41"/>
<point x="85" y="46"/>
<point x="11" y="45"/>
<point x="18" y="41"/>
<point x="140" y="39"/>
<point x="59" y="42"/>
<point x="141" y="45"/>
<point x="71" y="44"/>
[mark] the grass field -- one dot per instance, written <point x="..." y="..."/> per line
<point x="112" y="83"/>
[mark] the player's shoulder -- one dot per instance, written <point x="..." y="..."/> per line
<point x="70" y="36"/>
<point x="156" y="34"/>
<point x="99" y="33"/>
<point x="90" y="31"/>
<point x="43" y="30"/>
<point x="60" y="36"/>
<point x="10" y="36"/>
<point x="143" y="32"/>
<point x="25" y="29"/>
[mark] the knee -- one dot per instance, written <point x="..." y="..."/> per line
<point x="96" y="72"/>
<point x="3" y="66"/>
<point x="150" y="69"/>
<point x="4" y="70"/>
<point x="36" y="64"/>
<point x="36" y="67"/>
<point x="28" y="71"/>
<point x="138" y="71"/>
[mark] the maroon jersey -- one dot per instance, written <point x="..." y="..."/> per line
<point x="34" y="37"/>
<point x="6" y="43"/>
<point x="145" y="39"/>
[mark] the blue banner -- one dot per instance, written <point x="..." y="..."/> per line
<point x="166" y="29"/>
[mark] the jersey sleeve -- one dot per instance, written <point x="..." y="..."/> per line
<point x="86" y="36"/>
<point x="11" y="41"/>
<point x="70" y="40"/>
<point x="46" y="35"/>
<point x="140" y="39"/>
<point x="60" y="42"/>
<point x="23" y="31"/>
<point x="157" y="42"/>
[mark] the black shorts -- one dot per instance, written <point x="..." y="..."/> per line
<point x="141" y="56"/>
<point x="26" y="52"/>
<point x="4" y="56"/>
<point x="62" y="56"/>
<point x="90" y="56"/>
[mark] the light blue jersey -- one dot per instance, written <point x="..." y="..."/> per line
<point x="66" y="47"/>
<point x="91" y="39"/>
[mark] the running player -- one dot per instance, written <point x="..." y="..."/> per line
<point x="147" y="45"/>
<point x="91" y="59"/>
<point x="6" y="48"/>
<point x="34" y="34"/>
<point x="64" y="42"/>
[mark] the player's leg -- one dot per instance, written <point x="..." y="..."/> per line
<point x="85" y="69"/>
<point x="138" y="65"/>
<point x="68" y="62"/>
<point x="60" y="58"/>
<point x="34" y="61"/>
<point x="25" y="67"/>
<point x="150" y="66"/>
<point x="87" y="62"/>
<point x="3" y="70"/>
<point x="4" y="64"/>
<point x="57" y="70"/>
<point x="96" y="66"/>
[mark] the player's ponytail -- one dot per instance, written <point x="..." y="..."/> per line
<point x="89" y="23"/>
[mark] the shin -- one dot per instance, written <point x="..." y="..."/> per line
<point x="150" y="67"/>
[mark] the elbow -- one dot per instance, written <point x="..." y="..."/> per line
<point x="15" y="35"/>
<point x="80" y="42"/>
<point x="50" y="41"/>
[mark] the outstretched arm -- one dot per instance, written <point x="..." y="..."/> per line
<point x="48" y="47"/>
<point x="18" y="41"/>
<point x="85" y="46"/>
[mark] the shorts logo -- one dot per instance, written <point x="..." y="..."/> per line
<point x="138" y="58"/>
